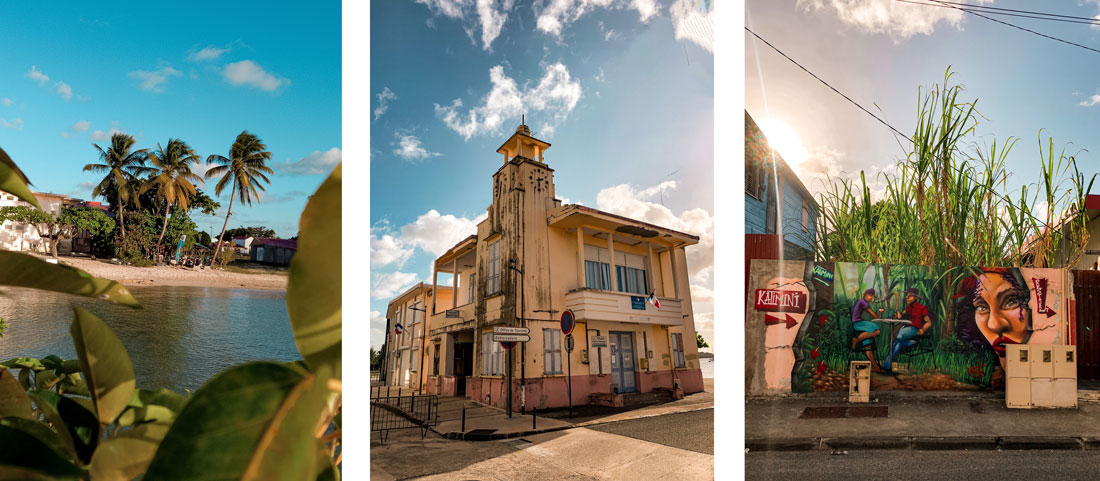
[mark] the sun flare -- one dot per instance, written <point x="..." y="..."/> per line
<point x="785" y="141"/>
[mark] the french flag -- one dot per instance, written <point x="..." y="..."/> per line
<point x="653" y="300"/>
<point x="398" y="329"/>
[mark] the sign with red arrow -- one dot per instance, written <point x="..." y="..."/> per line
<point x="770" y="320"/>
<point x="774" y="300"/>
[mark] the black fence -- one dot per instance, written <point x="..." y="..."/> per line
<point x="403" y="412"/>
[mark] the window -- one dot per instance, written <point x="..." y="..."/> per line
<point x="805" y="216"/>
<point x="470" y="287"/>
<point x="493" y="280"/>
<point x="630" y="272"/>
<point x="752" y="179"/>
<point x="597" y="268"/>
<point x="492" y="356"/>
<point x="415" y="358"/>
<point x="551" y="351"/>
<point x="678" y="349"/>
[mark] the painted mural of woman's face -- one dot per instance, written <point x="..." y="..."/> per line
<point x="1001" y="312"/>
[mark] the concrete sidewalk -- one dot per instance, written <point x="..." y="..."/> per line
<point x="920" y="421"/>
<point x="496" y="420"/>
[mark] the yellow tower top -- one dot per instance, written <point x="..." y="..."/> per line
<point x="522" y="144"/>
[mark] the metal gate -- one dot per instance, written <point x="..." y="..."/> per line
<point x="1086" y="288"/>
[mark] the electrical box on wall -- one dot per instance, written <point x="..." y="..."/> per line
<point x="859" y="382"/>
<point x="584" y="356"/>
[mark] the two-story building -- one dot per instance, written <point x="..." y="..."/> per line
<point x="20" y="236"/>
<point x="780" y="213"/>
<point x="406" y="331"/>
<point x="532" y="259"/>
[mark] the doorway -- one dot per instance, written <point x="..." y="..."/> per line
<point x="622" y="360"/>
<point x="464" y="365"/>
<point x="1086" y="288"/>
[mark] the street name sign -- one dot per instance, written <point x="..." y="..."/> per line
<point x="511" y="338"/>
<point x="511" y="330"/>
<point x="598" y="341"/>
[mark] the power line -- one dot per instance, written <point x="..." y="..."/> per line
<point x="1056" y="39"/>
<point x="883" y="122"/>
<point x="967" y="5"/>
<point x="1039" y="16"/>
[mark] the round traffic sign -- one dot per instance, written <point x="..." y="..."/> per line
<point x="508" y="344"/>
<point x="568" y="322"/>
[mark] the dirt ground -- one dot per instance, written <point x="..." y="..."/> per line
<point x="253" y="278"/>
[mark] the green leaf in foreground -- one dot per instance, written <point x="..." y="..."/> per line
<point x="13" y="399"/>
<point x="105" y="363"/>
<point x="22" y="270"/>
<point x="13" y="181"/>
<point x="74" y="423"/>
<point x="22" y="449"/>
<point x="122" y="458"/>
<point x="313" y="290"/>
<point x="42" y="433"/>
<point x="252" y="421"/>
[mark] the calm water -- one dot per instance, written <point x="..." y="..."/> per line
<point x="182" y="337"/>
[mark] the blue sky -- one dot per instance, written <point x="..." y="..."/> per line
<point x="880" y="51"/>
<point x="74" y="75"/>
<point x="623" y="90"/>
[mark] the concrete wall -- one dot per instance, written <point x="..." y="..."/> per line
<point x="974" y="311"/>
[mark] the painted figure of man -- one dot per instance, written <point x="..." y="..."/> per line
<point x="865" y="329"/>
<point x="919" y="324"/>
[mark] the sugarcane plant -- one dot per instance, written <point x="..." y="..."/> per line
<point x="86" y="419"/>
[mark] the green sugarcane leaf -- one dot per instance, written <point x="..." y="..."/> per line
<point x="22" y="270"/>
<point x="13" y="397"/>
<point x="250" y="422"/>
<point x="313" y="290"/>
<point x="106" y="365"/>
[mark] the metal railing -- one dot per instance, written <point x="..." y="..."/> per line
<point x="389" y="412"/>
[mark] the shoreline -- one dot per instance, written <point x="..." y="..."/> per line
<point x="174" y="276"/>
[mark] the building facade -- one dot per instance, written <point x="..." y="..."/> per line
<point x="532" y="259"/>
<point x="406" y="331"/>
<point x="24" y="237"/>
<point x="272" y="251"/>
<point x="776" y="201"/>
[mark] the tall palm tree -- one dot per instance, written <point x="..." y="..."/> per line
<point x="245" y="167"/>
<point x="173" y="181"/>
<point x="123" y="166"/>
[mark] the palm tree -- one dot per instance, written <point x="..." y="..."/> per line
<point x="173" y="180"/>
<point x="122" y="166"/>
<point x="244" y="168"/>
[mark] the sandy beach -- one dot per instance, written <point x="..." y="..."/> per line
<point x="179" y="276"/>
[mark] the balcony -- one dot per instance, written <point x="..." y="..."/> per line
<point x="447" y="320"/>
<point x="599" y="305"/>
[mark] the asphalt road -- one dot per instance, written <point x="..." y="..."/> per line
<point x="907" y="464"/>
<point x="693" y="431"/>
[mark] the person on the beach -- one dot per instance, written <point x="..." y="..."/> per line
<point x="920" y="322"/>
<point x="865" y="329"/>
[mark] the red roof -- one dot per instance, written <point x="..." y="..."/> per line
<point x="287" y="243"/>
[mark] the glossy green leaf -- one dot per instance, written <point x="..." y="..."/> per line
<point x="14" y="182"/>
<point x="22" y="270"/>
<point x="74" y="384"/>
<point x="13" y="398"/>
<point x="145" y="414"/>
<point x="16" y="473"/>
<point x="47" y="401"/>
<point x="152" y="432"/>
<point x="22" y="449"/>
<point x="105" y="363"/>
<point x="148" y="406"/>
<point x="313" y="290"/>
<point x="45" y="380"/>
<point x="121" y="459"/>
<point x="74" y="422"/>
<point x="252" y="421"/>
<point x="24" y="362"/>
<point x="42" y="433"/>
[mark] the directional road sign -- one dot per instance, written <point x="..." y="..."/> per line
<point x="511" y="338"/>
<point x="511" y="330"/>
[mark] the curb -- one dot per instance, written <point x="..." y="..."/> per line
<point x="517" y="434"/>
<point x="925" y="443"/>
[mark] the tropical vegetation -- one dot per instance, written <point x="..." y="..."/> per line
<point x="243" y="170"/>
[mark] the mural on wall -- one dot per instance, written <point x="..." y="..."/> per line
<point x="922" y="328"/>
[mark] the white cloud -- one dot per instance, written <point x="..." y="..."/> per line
<point x="64" y="90"/>
<point x="896" y="19"/>
<point x="436" y="233"/>
<point x="693" y="24"/>
<point x="410" y="148"/>
<point x="701" y="295"/>
<point x="81" y="126"/>
<point x="6" y="101"/>
<point x="153" y="81"/>
<point x="35" y="74"/>
<point x="247" y="72"/>
<point x="384" y="98"/>
<point x="209" y="52"/>
<point x="389" y="285"/>
<point x="557" y="93"/>
<point x="704" y="325"/>
<point x="450" y="8"/>
<point x="316" y="163"/>
<point x="14" y="124"/>
<point x="627" y="201"/>
<point x="100" y="135"/>
<point x="491" y="20"/>
<point x="1095" y="99"/>
<point x="377" y="329"/>
<point x="647" y="9"/>
<point x="64" y="134"/>
<point x="554" y="16"/>
<point x="385" y="249"/>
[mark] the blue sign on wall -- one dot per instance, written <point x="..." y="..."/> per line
<point x="637" y="302"/>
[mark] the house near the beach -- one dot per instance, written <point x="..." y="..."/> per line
<point x="243" y="244"/>
<point x="24" y="237"/>
<point x="273" y="251"/>
<point x="623" y="282"/>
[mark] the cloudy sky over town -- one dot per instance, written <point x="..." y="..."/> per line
<point x="878" y="52"/>
<point x="623" y="90"/>
<point x="74" y="76"/>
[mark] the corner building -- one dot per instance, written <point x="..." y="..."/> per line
<point x="534" y="258"/>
